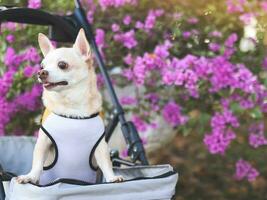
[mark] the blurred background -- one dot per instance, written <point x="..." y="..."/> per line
<point x="190" y="74"/>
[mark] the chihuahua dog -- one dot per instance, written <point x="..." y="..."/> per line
<point x="70" y="142"/>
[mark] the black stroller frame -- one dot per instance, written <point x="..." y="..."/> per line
<point x="65" y="29"/>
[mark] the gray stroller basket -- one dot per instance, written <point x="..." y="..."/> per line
<point x="143" y="182"/>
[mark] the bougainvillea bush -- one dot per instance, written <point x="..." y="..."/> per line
<point x="200" y="65"/>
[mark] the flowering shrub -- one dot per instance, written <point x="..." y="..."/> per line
<point x="20" y="95"/>
<point x="193" y="73"/>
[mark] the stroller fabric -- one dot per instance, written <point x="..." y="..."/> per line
<point x="142" y="182"/>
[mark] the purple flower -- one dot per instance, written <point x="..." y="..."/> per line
<point x="235" y="6"/>
<point x="264" y="5"/>
<point x="215" y="34"/>
<point x="151" y="61"/>
<point x="92" y="8"/>
<point x="228" y="52"/>
<point x="90" y="16"/>
<point x="221" y="74"/>
<point x="11" y="26"/>
<point x="195" y="32"/>
<point x="192" y="20"/>
<point x="100" y="81"/>
<point x="221" y="136"/>
<point x="140" y="124"/>
<point x="29" y="71"/>
<point x="32" y="55"/>
<point x="159" y="12"/>
<point x="153" y="98"/>
<point x="127" y="20"/>
<point x="177" y="15"/>
<point x="11" y="59"/>
<point x="150" y="20"/>
<point x="128" y="59"/>
<point x="244" y="170"/>
<point x="168" y="77"/>
<point x="247" y="103"/>
<point x="163" y="49"/>
<point x="127" y="39"/>
<point x="144" y="64"/>
<point x="181" y="73"/>
<point x="224" y="119"/>
<point x="247" y="17"/>
<point x="127" y="73"/>
<point x="172" y="114"/>
<point x="256" y="140"/>
<point x="6" y="82"/>
<point x="10" y="38"/>
<point x="231" y="40"/>
<point x="256" y="135"/>
<point x="139" y="25"/>
<point x="115" y="28"/>
<point x="106" y="3"/>
<point x="187" y="34"/>
<point x="30" y="100"/>
<point x="115" y="3"/>
<point x="215" y="47"/>
<point x="5" y="114"/>
<point x="139" y="71"/>
<point x="35" y="4"/>
<point x="127" y="100"/>
<point x="100" y="37"/>
<point x="9" y="56"/>
<point x="124" y="2"/>
<point x="219" y="140"/>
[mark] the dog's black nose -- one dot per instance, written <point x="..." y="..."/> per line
<point x="43" y="74"/>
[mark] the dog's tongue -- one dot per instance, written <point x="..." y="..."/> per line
<point x="49" y="85"/>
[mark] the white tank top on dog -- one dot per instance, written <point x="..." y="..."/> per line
<point x="75" y="141"/>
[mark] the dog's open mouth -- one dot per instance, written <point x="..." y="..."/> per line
<point x="49" y="85"/>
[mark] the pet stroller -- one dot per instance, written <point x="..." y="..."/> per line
<point x="142" y="181"/>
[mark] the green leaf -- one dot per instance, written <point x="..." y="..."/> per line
<point x="256" y="113"/>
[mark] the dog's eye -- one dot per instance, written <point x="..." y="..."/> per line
<point x="62" y="65"/>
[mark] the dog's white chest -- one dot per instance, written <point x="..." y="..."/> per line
<point x="75" y="141"/>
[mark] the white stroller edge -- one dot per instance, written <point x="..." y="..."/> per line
<point x="142" y="182"/>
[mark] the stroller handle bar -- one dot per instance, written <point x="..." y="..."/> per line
<point x="60" y="30"/>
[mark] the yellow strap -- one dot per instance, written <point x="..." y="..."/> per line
<point x="45" y="115"/>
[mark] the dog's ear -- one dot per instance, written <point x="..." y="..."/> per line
<point x="45" y="44"/>
<point x="82" y="46"/>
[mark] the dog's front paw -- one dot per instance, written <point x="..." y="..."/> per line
<point x="115" y="179"/>
<point x="27" y="178"/>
